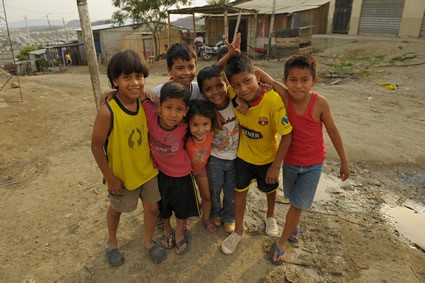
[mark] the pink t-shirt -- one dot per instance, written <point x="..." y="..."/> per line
<point x="199" y="152"/>
<point x="167" y="146"/>
<point x="307" y="147"/>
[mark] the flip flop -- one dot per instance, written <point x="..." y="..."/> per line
<point x="209" y="225"/>
<point x="114" y="256"/>
<point x="157" y="252"/>
<point x="293" y="238"/>
<point x="279" y="252"/>
<point x="170" y="240"/>
<point x="182" y="242"/>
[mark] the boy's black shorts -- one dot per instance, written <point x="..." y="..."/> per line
<point x="178" y="195"/>
<point x="246" y="172"/>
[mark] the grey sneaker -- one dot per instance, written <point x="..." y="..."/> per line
<point x="230" y="244"/>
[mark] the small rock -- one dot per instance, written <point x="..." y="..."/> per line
<point x="14" y="85"/>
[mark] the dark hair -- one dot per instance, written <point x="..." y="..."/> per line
<point x="201" y="107"/>
<point x="126" y="62"/>
<point x="172" y="89"/>
<point x="302" y="61"/>
<point x="180" y="51"/>
<point x="239" y="64"/>
<point x="208" y="73"/>
<point x="222" y="51"/>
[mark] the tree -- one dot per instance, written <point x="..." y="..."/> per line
<point x="23" y="53"/>
<point x="151" y="13"/>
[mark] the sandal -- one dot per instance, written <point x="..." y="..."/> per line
<point x="157" y="252"/>
<point x="181" y="243"/>
<point x="169" y="242"/>
<point x="294" y="237"/>
<point x="187" y="223"/>
<point x="279" y="253"/>
<point x="209" y="225"/>
<point x="114" y="256"/>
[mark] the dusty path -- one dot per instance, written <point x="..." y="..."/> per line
<point x="53" y="204"/>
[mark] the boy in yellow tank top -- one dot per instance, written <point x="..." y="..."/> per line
<point x="121" y="149"/>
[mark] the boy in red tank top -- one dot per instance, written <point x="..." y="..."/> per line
<point x="302" y="167"/>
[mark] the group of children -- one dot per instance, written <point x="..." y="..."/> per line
<point x="154" y="149"/>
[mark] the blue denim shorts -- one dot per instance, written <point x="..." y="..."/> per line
<point x="300" y="184"/>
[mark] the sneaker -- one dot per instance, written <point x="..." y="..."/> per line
<point x="271" y="227"/>
<point x="229" y="227"/>
<point x="217" y="221"/>
<point x="230" y="244"/>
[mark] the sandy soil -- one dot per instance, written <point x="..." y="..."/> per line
<point x="54" y="206"/>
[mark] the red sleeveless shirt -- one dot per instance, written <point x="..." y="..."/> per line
<point x="307" y="147"/>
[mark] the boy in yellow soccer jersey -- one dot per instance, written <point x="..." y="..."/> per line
<point x="260" y="154"/>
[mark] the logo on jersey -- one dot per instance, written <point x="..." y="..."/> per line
<point x="251" y="133"/>
<point x="135" y="137"/>
<point x="263" y="121"/>
<point x="285" y="120"/>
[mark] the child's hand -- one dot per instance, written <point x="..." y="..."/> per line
<point x="218" y="121"/>
<point x="115" y="186"/>
<point x="344" y="171"/>
<point x="242" y="106"/>
<point x="234" y="48"/>
<point x="267" y="87"/>
<point x="272" y="176"/>
<point x="106" y="96"/>
<point x="151" y="96"/>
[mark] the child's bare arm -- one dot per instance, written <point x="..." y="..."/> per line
<point x="328" y="121"/>
<point x="279" y="87"/>
<point x="234" y="48"/>
<point x="272" y="176"/>
<point x="100" y="131"/>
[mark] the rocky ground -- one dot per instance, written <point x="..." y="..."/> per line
<point x="53" y="204"/>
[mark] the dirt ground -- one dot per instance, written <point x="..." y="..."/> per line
<point x="54" y="206"/>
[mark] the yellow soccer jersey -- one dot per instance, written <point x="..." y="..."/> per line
<point x="258" y="142"/>
<point x="127" y="147"/>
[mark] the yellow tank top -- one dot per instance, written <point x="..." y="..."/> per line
<point x="127" y="147"/>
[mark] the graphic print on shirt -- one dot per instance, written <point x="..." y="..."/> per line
<point x="252" y="134"/>
<point x="285" y="120"/>
<point x="135" y="136"/>
<point x="166" y="145"/>
<point x="226" y="139"/>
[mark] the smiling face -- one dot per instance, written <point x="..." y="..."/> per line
<point x="215" y="91"/>
<point x="129" y="85"/>
<point x="172" y="112"/>
<point x="199" y="127"/>
<point x="299" y="81"/>
<point x="183" y="71"/>
<point x="245" y="85"/>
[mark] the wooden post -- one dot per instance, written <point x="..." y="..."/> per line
<point x="237" y="24"/>
<point x="85" y="22"/>
<point x="226" y="25"/>
<point x="271" y="30"/>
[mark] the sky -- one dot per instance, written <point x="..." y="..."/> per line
<point x="16" y="10"/>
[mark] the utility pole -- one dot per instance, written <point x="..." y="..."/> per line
<point x="271" y="31"/>
<point x="50" y="28"/>
<point x="28" y="31"/>
<point x="85" y="23"/>
<point x="66" y="32"/>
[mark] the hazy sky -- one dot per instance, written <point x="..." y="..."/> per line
<point x="16" y="10"/>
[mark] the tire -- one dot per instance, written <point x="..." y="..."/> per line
<point x="205" y="56"/>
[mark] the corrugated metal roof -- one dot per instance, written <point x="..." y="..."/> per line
<point x="262" y="6"/>
<point x="282" y="6"/>
<point x="38" y="52"/>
